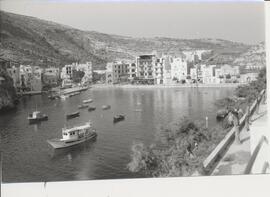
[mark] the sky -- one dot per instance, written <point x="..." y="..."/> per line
<point x="235" y="21"/>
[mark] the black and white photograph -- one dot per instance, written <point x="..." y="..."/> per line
<point x="109" y="90"/>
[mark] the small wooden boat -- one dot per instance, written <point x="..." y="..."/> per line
<point x="104" y="107"/>
<point x="221" y="114"/>
<point x="83" y="106"/>
<point x="37" y="116"/>
<point x="53" y="97"/>
<point x="91" y="108"/>
<point x="88" y="101"/>
<point x="74" y="94"/>
<point x="118" y="118"/>
<point x="63" y="97"/>
<point x="73" y="115"/>
<point x="73" y="136"/>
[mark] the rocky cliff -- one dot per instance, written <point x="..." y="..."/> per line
<point x="7" y="91"/>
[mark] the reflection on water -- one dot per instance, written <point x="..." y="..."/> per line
<point x="28" y="156"/>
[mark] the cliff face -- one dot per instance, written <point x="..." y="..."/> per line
<point x="7" y="91"/>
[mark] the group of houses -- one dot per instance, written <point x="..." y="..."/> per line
<point x="168" y="69"/>
<point x="35" y="78"/>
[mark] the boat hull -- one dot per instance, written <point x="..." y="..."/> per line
<point x="36" y="120"/>
<point x="74" y="115"/>
<point x="57" y="143"/>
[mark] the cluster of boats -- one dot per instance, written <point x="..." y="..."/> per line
<point x="76" y="134"/>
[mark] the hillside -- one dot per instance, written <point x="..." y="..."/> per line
<point x="255" y="56"/>
<point x="31" y="40"/>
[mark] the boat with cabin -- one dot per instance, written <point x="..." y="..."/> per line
<point x="73" y="115"/>
<point x="88" y="101"/>
<point x="118" y="118"/>
<point x="73" y="136"/>
<point x="105" y="107"/>
<point x="37" y="116"/>
<point x="83" y="106"/>
<point x="91" y="108"/>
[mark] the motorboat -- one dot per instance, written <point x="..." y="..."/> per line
<point x="73" y="115"/>
<point x="104" y="107"/>
<point x="63" y="97"/>
<point x="88" y="101"/>
<point x="37" y="116"/>
<point x="221" y="114"/>
<point x="118" y="118"/>
<point x="74" y="94"/>
<point x="83" y="106"/>
<point x="73" y="136"/>
<point x="92" y="108"/>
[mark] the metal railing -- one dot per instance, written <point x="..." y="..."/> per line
<point x="255" y="154"/>
<point x="221" y="148"/>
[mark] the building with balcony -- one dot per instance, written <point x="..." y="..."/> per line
<point x="145" y="67"/>
<point x="117" y="72"/>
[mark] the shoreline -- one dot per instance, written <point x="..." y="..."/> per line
<point x="229" y="85"/>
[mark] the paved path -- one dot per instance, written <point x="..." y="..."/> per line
<point x="237" y="156"/>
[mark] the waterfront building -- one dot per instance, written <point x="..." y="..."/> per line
<point x="167" y="75"/>
<point x="158" y="70"/>
<point x="14" y="73"/>
<point x="208" y="74"/>
<point x="51" y="76"/>
<point x="145" y="67"/>
<point x="131" y="71"/>
<point x="117" y="72"/>
<point x="179" y="69"/>
<point x="88" y="72"/>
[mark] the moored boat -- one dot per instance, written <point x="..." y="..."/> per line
<point x="118" y="118"/>
<point x="73" y="115"/>
<point x="83" y="106"/>
<point x="73" y="136"/>
<point x="104" y="107"/>
<point x="221" y="114"/>
<point x="37" y="116"/>
<point x="92" y="108"/>
<point x="88" y="101"/>
<point x="63" y="97"/>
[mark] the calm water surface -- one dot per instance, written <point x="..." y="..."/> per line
<point x="28" y="157"/>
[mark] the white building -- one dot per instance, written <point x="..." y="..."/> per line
<point x="179" y="69"/>
<point x="208" y="74"/>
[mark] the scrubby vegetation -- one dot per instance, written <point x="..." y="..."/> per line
<point x="179" y="150"/>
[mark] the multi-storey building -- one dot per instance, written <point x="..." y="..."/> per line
<point x="208" y="73"/>
<point x="159" y="71"/>
<point x="145" y="66"/>
<point x="131" y="70"/>
<point x="179" y="69"/>
<point x="51" y="76"/>
<point x="167" y="75"/>
<point x="117" y="72"/>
